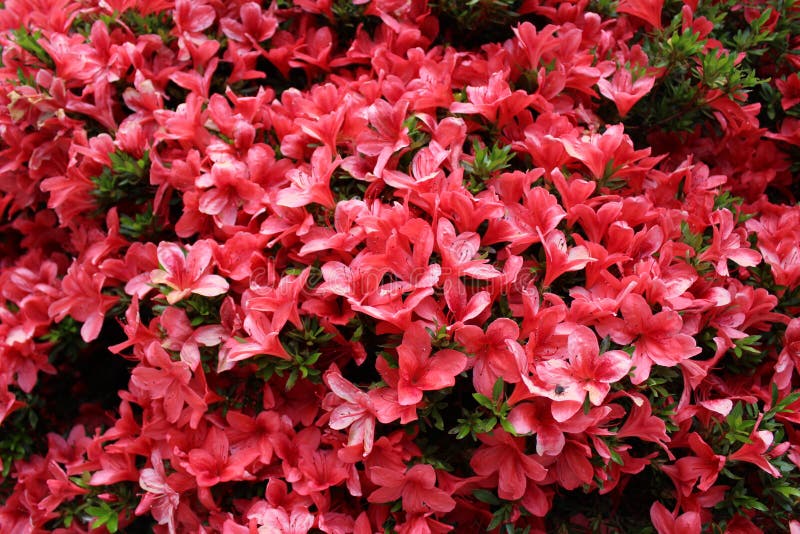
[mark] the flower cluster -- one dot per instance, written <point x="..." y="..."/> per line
<point x="357" y="266"/>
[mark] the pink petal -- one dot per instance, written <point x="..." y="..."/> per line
<point x="210" y="285"/>
<point x="171" y="257"/>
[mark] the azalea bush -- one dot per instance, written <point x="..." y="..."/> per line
<point x="367" y="266"/>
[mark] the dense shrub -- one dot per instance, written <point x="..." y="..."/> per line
<point x="400" y="266"/>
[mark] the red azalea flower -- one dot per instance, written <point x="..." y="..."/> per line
<point x="168" y="381"/>
<point x="422" y="524"/>
<point x="657" y="338"/>
<point x="702" y="469"/>
<point x="755" y="451"/>
<point x="536" y="417"/>
<point x="187" y="273"/>
<point x="230" y="190"/>
<point x="311" y="185"/>
<point x="283" y="301"/>
<point x="646" y="10"/>
<point x="494" y="101"/>
<point x="419" y="371"/>
<point x="623" y="90"/>
<point x="357" y="412"/>
<point x="560" y="259"/>
<point x="585" y="372"/>
<point x="728" y="243"/>
<point x="256" y="25"/>
<point x="458" y="253"/>
<point x="255" y="437"/>
<point x="60" y="487"/>
<point x="278" y="520"/>
<point x="670" y="523"/>
<point x="264" y="339"/>
<point x="84" y="300"/>
<point x="493" y="359"/>
<point x="389" y="133"/>
<point x="504" y="455"/>
<point x="790" y="90"/>
<point x="642" y="424"/>
<point x="162" y="495"/>
<point x="212" y="463"/>
<point x="183" y="338"/>
<point x="572" y="468"/>
<point x="416" y="487"/>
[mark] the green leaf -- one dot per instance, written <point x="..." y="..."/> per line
<point x="484" y="401"/>
<point x="95" y="511"/>
<point x="486" y="496"/>
<point x="112" y="523"/>
<point x="292" y="380"/>
<point x="508" y="427"/>
<point x="461" y="432"/>
<point x="790" y="492"/>
<point x="30" y="43"/>
<point x="497" y="390"/>
<point x="497" y="519"/>
<point x="615" y="457"/>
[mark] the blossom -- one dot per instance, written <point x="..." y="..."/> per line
<point x="642" y="424"/>
<point x="389" y="133"/>
<point x="187" y="273"/>
<point x="560" y="259"/>
<point x="299" y="521"/>
<point x="357" y="412"/>
<point x="311" y="185"/>
<point x="755" y="451"/>
<point x="254" y="438"/>
<point x="536" y="417"/>
<point x="61" y="488"/>
<point x="162" y="492"/>
<point x="494" y="101"/>
<point x="790" y="91"/>
<point x="646" y="10"/>
<point x="727" y="244"/>
<point x="657" y="338"/>
<point x="416" y="487"/>
<point x="502" y="454"/>
<point x="212" y="463"/>
<point x="584" y="372"/>
<point x="255" y="27"/>
<point x="263" y="339"/>
<point x="702" y="469"/>
<point x="168" y="381"/>
<point x="667" y="523"/>
<point x="419" y="371"/>
<point x="229" y="188"/>
<point x="492" y="357"/>
<point x="458" y="252"/>
<point x="623" y="90"/>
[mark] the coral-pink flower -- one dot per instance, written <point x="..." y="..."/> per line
<point x="357" y="412"/>
<point x="186" y="273"/>
<point x="504" y="455"/>
<point x="419" y="371"/>
<point x="728" y="243"/>
<point x="492" y="357"/>
<point x="83" y="300"/>
<point x="657" y="338"/>
<point x="416" y="487"/>
<point x="623" y="90"/>
<point x="561" y="258"/>
<point x="586" y="371"/>
<point x="755" y="452"/>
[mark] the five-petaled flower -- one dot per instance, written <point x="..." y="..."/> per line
<point x="186" y="273"/>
